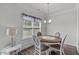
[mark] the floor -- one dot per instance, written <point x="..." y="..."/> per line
<point x="69" y="50"/>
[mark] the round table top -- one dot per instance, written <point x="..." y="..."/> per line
<point x="50" y="39"/>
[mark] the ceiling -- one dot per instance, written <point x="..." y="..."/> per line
<point x="53" y="7"/>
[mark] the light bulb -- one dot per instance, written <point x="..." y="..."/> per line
<point x="49" y="21"/>
<point x="44" y="21"/>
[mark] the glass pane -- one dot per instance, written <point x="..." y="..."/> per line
<point x="27" y="24"/>
<point x="27" y="29"/>
<point x="36" y="31"/>
<point x="27" y="33"/>
<point x="36" y="24"/>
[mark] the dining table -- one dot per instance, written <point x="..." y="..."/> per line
<point x="47" y="40"/>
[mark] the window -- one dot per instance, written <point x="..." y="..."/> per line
<point x="30" y="26"/>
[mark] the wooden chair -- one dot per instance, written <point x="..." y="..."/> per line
<point x="40" y="48"/>
<point x="59" y="47"/>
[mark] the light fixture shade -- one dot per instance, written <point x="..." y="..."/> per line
<point x="11" y="31"/>
<point x="49" y="21"/>
<point x="44" y="21"/>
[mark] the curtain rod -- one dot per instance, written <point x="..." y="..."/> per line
<point x="31" y="16"/>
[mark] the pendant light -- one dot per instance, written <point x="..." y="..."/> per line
<point x="48" y="17"/>
<point x="45" y="20"/>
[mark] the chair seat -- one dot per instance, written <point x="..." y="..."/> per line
<point x="56" y="46"/>
<point x="44" y="47"/>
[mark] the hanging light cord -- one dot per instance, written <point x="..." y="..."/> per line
<point x="48" y="10"/>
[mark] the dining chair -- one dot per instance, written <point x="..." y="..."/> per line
<point x="40" y="48"/>
<point x="59" y="47"/>
<point x="57" y="34"/>
<point x="39" y="34"/>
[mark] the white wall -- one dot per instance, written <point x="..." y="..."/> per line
<point x="65" y="21"/>
<point x="77" y="7"/>
<point x="8" y="17"/>
<point x="10" y="14"/>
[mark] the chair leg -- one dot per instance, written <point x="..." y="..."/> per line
<point x="35" y="53"/>
<point x="47" y="52"/>
<point x="62" y="53"/>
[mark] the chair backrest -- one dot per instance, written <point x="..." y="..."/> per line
<point x="62" y="35"/>
<point x="37" y="45"/>
<point x="39" y="34"/>
<point x="50" y="33"/>
<point x="36" y="40"/>
<point x="62" y="42"/>
<point x="57" y="34"/>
